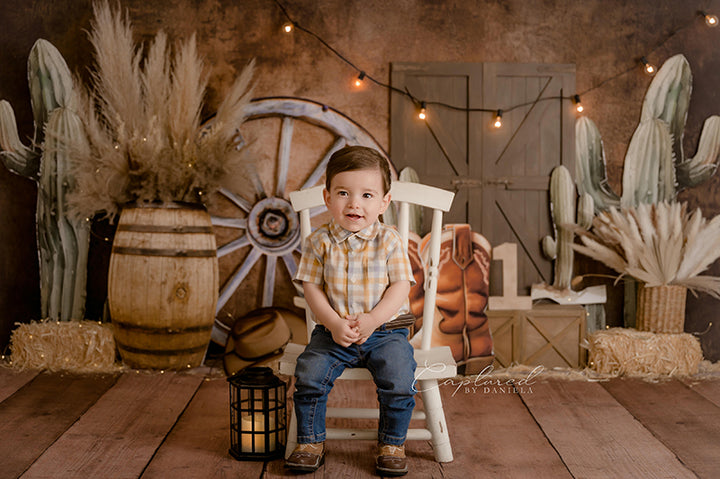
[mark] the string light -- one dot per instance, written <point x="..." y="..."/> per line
<point x="359" y="79"/>
<point x="649" y="68"/>
<point x="422" y="114"/>
<point x="710" y="19"/>
<point x="576" y="101"/>
<point x="498" y="119"/>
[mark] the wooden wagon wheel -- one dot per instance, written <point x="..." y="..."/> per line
<point x="263" y="218"/>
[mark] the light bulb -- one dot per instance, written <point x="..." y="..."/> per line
<point x="498" y="119"/>
<point x="423" y="113"/>
<point x="288" y="27"/>
<point x="649" y="69"/>
<point x="359" y="80"/>
<point x="578" y="106"/>
<point x="711" y="20"/>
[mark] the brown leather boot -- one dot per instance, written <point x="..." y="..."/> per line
<point x="306" y="457"/>
<point x="462" y="295"/>
<point x="391" y="460"/>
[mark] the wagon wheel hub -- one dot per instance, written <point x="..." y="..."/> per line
<point x="273" y="226"/>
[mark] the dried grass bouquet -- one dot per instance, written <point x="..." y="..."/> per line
<point x="142" y="121"/>
<point x="657" y="244"/>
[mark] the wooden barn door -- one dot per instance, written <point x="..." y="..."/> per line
<point x="501" y="176"/>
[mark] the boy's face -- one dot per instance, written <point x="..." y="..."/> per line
<point x="356" y="198"/>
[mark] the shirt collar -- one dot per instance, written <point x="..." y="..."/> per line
<point x="340" y="234"/>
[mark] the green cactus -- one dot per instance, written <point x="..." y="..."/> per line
<point x="655" y="165"/>
<point x="416" y="212"/>
<point x="590" y="170"/>
<point x="562" y="209"/>
<point x="390" y="216"/>
<point x="649" y="175"/>
<point x="63" y="244"/>
<point x="17" y="157"/>
<point x="63" y="129"/>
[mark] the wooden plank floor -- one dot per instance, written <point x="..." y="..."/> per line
<point x="176" y="425"/>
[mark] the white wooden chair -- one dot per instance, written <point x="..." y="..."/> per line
<point x="433" y="364"/>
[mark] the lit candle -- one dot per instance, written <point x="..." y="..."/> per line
<point x="247" y="432"/>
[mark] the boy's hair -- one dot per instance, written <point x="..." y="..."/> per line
<point x="353" y="158"/>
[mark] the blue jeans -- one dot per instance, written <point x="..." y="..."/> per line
<point x="388" y="356"/>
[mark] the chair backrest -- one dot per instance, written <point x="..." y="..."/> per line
<point x="310" y="201"/>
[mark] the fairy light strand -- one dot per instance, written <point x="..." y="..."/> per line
<point x="421" y="105"/>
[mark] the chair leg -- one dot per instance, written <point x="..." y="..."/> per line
<point x="435" y="416"/>
<point x="291" y="435"/>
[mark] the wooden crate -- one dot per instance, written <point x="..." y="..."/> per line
<point x="548" y="334"/>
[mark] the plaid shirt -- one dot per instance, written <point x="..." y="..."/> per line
<point x="354" y="269"/>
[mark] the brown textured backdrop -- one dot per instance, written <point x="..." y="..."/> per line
<point x="601" y="37"/>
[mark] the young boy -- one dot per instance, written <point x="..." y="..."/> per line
<point x="356" y="277"/>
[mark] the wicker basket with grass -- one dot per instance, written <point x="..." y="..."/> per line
<point x="665" y="248"/>
<point x="661" y="309"/>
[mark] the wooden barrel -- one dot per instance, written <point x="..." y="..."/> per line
<point x="163" y="285"/>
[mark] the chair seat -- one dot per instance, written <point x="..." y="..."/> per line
<point x="435" y="363"/>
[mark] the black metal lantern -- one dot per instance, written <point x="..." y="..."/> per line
<point x="257" y="414"/>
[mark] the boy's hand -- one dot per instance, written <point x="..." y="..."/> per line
<point x="364" y="323"/>
<point x="344" y="333"/>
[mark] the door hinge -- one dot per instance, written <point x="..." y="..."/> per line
<point x="467" y="183"/>
<point x="477" y="183"/>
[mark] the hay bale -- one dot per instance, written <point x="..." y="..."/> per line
<point x="620" y="351"/>
<point x="74" y="346"/>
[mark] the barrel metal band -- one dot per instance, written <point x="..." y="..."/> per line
<point x="161" y="352"/>
<point x="182" y="229"/>
<point x="182" y="253"/>
<point x="154" y="330"/>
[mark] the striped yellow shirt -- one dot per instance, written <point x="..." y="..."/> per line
<point x="354" y="269"/>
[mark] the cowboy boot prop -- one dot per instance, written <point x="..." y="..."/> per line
<point x="462" y="296"/>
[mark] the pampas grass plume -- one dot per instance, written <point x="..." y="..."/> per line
<point x="658" y="244"/>
<point x="142" y="118"/>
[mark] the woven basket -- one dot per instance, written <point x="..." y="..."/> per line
<point x="661" y="309"/>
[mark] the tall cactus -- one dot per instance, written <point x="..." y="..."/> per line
<point x="562" y="208"/>
<point x="64" y="133"/>
<point x="655" y="164"/>
<point x="590" y="169"/>
<point x="416" y="211"/>
<point x="62" y="244"/>
<point x="649" y="175"/>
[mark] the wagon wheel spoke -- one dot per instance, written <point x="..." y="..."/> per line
<point x="241" y="203"/>
<point x="284" y="155"/>
<point x="237" y="223"/>
<point x="290" y="264"/>
<point x="317" y="211"/>
<point x="269" y="283"/>
<point x="254" y="178"/>
<point x="291" y="267"/>
<point x="320" y="168"/>
<point x="234" y="245"/>
<point x="238" y="277"/>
